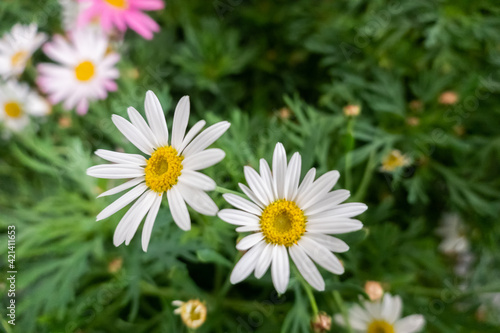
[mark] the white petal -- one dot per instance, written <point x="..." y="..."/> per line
<point x="124" y="158"/>
<point x="115" y="171"/>
<point x="238" y="217"/>
<point x="142" y="126"/>
<point x="143" y="209"/>
<point x="133" y="134"/>
<point x="178" y="209"/>
<point x="279" y="170"/>
<point x="292" y="176"/>
<point x="122" y="187"/>
<point x="331" y="243"/>
<point x="306" y="184"/>
<point x="248" y="228"/>
<point x="410" y="324"/>
<point x="242" y="204"/>
<point x="331" y="200"/>
<point x="249" y="241"/>
<point x="256" y="184"/>
<point x="191" y="134"/>
<point x="339" y="226"/>
<point x="181" y="118"/>
<point x="156" y="118"/>
<point x="197" y="180"/>
<point x="321" y="255"/>
<point x="319" y="189"/>
<point x="246" y="264"/>
<point x="206" y="138"/>
<point x="307" y="268"/>
<point x="150" y="220"/>
<point x="392" y="310"/>
<point x="350" y="209"/>
<point x="122" y="201"/>
<point x="267" y="179"/>
<point x="122" y="228"/>
<point x="249" y="193"/>
<point x="280" y="269"/>
<point x="264" y="261"/>
<point x="198" y="200"/>
<point x="204" y="159"/>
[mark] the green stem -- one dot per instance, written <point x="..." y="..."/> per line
<point x="367" y="177"/>
<point x="309" y="292"/>
<point x="343" y="310"/>
<point x="225" y="190"/>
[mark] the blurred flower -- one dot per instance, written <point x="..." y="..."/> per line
<point x="193" y="312"/>
<point x="86" y="71"/>
<point x="277" y="214"/>
<point x="352" y="110"/>
<point x="64" y="122"/>
<point x="374" y="290"/>
<point x="453" y="231"/>
<point x="171" y="169"/>
<point x="17" y="102"/>
<point x="382" y="317"/>
<point x="133" y="73"/>
<point x="416" y="105"/>
<point x="122" y="14"/>
<point x="413" y="121"/>
<point x="459" y="130"/>
<point x="71" y="9"/>
<point x="17" y="47"/>
<point x="115" y="265"/>
<point x="284" y="113"/>
<point x="321" y="323"/>
<point x="394" y="161"/>
<point x="448" y="98"/>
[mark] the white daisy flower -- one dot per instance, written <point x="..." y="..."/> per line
<point x="86" y="69"/>
<point x="170" y="168"/>
<point x="18" y="102"/>
<point x="382" y="317"/>
<point x="454" y="236"/>
<point x="193" y="312"/>
<point x="17" y="47"/>
<point x="288" y="218"/>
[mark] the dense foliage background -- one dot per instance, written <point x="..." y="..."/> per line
<point x="278" y="71"/>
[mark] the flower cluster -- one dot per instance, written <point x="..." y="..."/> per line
<point x="85" y="61"/>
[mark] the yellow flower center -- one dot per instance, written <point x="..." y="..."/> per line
<point x="380" y="326"/>
<point x="394" y="160"/>
<point x="13" y="109"/>
<point x="283" y="223"/>
<point x="163" y="169"/>
<point x="120" y="4"/>
<point x="85" y="71"/>
<point x="193" y="313"/>
<point x="18" y="58"/>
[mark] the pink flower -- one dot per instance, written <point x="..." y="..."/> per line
<point x="122" y="13"/>
<point x="85" y="70"/>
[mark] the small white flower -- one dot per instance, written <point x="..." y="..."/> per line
<point x="453" y="232"/>
<point x="290" y="219"/>
<point x="86" y="69"/>
<point x="170" y="168"/>
<point x="17" y="103"/>
<point x="382" y="317"/>
<point x="192" y="312"/>
<point x="17" y="47"/>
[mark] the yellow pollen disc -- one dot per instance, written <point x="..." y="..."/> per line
<point x="18" y="57"/>
<point x="13" y="109"/>
<point x="85" y="71"/>
<point x="283" y="223"/>
<point x="380" y="326"/>
<point x="163" y="169"/>
<point x="120" y="4"/>
<point x="193" y="313"/>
